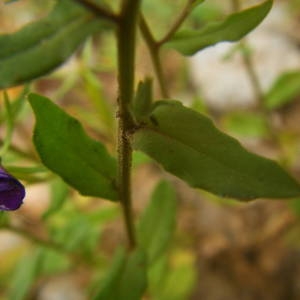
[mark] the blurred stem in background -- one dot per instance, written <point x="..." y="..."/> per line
<point x="248" y="62"/>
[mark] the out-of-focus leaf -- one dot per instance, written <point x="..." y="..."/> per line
<point x="295" y="206"/>
<point x="133" y="282"/>
<point x="139" y="158"/>
<point x="197" y="2"/>
<point x="43" y="45"/>
<point x="246" y="124"/>
<point x="157" y="224"/>
<point x="66" y="150"/>
<point x="9" y="125"/>
<point x="188" y="145"/>
<point x="95" y="91"/>
<point x="109" y="286"/>
<point x="143" y="99"/>
<point x="29" y="174"/>
<point x="54" y="262"/>
<point x="24" y="276"/>
<point x="233" y="28"/>
<point x="126" y="278"/>
<point x="181" y="278"/>
<point x="59" y="193"/>
<point x="284" y="90"/>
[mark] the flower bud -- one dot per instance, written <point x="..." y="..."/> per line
<point x="12" y="191"/>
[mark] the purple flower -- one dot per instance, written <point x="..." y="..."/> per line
<point x="12" y="191"/>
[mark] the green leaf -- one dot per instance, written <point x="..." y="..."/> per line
<point x="143" y="99"/>
<point x="246" y="124"/>
<point x="94" y="89"/>
<point x="59" y="193"/>
<point x="181" y="278"/>
<point x="66" y="150"/>
<point x="41" y="46"/>
<point x="233" y="28"/>
<point x="25" y="274"/>
<point x="126" y="279"/>
<point x="157" y="224"/>
<point x="197" y="2"/>
<point x="284" y="90"/>
<point x="188" y="145"/>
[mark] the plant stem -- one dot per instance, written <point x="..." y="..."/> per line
<point x="126" y="37"/>
<point x="154" y="46"/>
<point x="47" y="244"/>
<point x="154" y="49"/>
<point x="97" y="10"/>
<point x="258" y="91"/>
<point x="178" y="22"/>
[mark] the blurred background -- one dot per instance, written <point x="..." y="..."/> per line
<point x="60" y="244"/>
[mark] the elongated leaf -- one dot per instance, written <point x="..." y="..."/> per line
<point x="26" y="273"/>
<point x="157" y="224"/>
<point x="233" y="28"/>
<point x="41" y="46"/>
<point x="284" y="89"/>
<point x="66" y="150"/>
<point x="189" y="146"/>
<point x="143" y="99"/>
<point x="126" y="279"/>
<point x="59" y="193"/>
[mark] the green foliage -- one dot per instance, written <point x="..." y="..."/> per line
<point x="157" y="224"/>
<point x="27" y="271"/>
<point x="41" y="46"/>
<point x="284" y="90"/>
<point x="143" y="99"/>
<point x="173" y="276"/>
<point x="59" y="193"/>
<point x="193" y="149"/>
<point x="65" y="149"/>
<point x="126" y="278"/>
<point x="233" y="28"/>
<point x="185" y="142"/>
<point x="246" y="124"/>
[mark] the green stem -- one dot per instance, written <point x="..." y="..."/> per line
<point x="154" y="50"/>
<point x="98" y="10"/>
<point x="154" y="46"/>
<point x="258" y="91"/>
<point x="178" y="22"/>
<point x="47" y="244"/>
<point x="126" y="58"/>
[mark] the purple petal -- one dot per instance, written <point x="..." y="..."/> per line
<point x="12" y="192"/>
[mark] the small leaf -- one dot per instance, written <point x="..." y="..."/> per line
<point x="232" y="29"/>
<point x="143" y="99"/>
<point x="41" y="46"/>
<point x="157" y="224"/>
<point x="284" y="90"/>
<point x="188" y="145"/>
<point x="66" y="150"/>
<point x="126" y="278"/>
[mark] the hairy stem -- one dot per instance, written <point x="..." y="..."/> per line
<point x="126" y="57"/>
